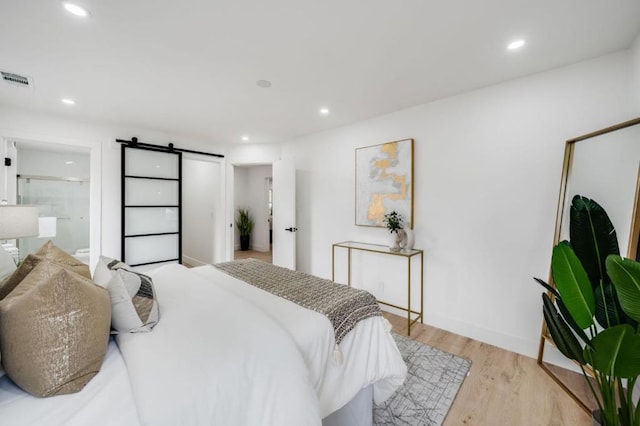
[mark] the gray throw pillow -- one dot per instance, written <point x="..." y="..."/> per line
<point x="134" y="307"/>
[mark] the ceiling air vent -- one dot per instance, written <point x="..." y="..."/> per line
<point x="16" y="79"/>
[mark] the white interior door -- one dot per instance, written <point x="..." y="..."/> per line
<point x="284" y="214"/>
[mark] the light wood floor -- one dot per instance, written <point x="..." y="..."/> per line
<point x="265" y="256"/>
<point x="503" y="388"/>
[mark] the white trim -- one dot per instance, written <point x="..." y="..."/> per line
<point x="230" y="214"/>
<point x="192" y="261"/>
<point x="233" y="245"/>
<point x="512" y="343"/>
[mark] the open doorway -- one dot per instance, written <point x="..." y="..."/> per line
<point x="203" y="223"/>
<point x="57" y="179"/>
<point x="253" y="194"/>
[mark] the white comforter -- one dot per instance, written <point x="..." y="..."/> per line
<point x="106" y="400"/>
<point x="213" y="359"/>
<point x="369" y="353"/>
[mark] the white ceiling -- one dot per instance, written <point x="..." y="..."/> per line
<point x="191" y="66"/>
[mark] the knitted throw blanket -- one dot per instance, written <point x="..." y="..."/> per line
<point x="342" y="305"/>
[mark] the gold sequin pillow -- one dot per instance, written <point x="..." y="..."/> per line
<point x="51" y="253"/>
<point x="56" y="255"/>
<point x="54" y="330"/>
<point x="134" y="307"/>
<point x="18" y="275"/>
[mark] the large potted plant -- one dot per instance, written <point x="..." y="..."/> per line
<point x="244" y="223"/>
<point x="593" y="311"/>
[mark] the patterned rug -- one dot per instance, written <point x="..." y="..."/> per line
<point x="433" y="380"/>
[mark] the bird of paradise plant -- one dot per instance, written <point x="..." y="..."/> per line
<point x="593" y="311"/>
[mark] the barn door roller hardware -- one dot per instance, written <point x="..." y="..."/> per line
<point x="134" y="142"/>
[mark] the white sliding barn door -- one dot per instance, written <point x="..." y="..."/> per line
<point x="151" y="206"/>
<point x="284" y="214"/>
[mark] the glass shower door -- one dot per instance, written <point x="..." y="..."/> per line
<point x="65" y="199"/>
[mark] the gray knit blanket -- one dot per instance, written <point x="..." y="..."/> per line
<point x="342" y="305"/>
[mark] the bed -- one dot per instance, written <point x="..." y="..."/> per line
<point x="225" y="352"/>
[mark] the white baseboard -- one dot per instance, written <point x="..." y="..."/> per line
<point x="526" y="347"/>
<point x="192" y="261"/>
<point x="260" y="248"/>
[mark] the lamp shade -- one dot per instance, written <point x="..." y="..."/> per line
<point x="18" y="221"/>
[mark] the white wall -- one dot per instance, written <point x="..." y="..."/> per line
<point x="487" y="172"/>
<point x="635" y="49"/>
<point x="20" y="124"/>
<point x="201" y="195"/>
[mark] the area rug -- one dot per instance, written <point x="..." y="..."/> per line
<point x="433" y="380"/>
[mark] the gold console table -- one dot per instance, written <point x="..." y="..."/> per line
<point x="378" y="248"/>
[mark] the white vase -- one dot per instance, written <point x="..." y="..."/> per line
<point x="410" y="240"/>
<point x="396" y="239"/>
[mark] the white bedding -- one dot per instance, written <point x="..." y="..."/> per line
<point x="213" y="359"/>
<point x="369" y="353"/>
<point x="106" y="400"/>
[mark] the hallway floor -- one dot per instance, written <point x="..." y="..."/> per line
<point x="265" y="256"/>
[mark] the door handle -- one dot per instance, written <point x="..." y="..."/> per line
<point x="291" y="229"/>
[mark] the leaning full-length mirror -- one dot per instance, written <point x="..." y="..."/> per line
<point x="603" y="166"/>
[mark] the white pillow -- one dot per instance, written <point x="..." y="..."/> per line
<point x="134" y="307"/>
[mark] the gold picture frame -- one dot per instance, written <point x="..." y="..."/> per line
<point x="384" y="182"/>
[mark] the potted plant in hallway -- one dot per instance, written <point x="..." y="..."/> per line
<point x="593" y="311"/>
<point x="244" y="223"/>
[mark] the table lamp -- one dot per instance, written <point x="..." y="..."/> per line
<point x="18" y="221"/>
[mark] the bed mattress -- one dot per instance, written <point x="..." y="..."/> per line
<point x="224" y="352"/>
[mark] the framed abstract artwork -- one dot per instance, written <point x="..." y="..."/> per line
<point x="384" y="182"/>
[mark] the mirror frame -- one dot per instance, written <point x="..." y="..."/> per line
<point x="631" y="250"/>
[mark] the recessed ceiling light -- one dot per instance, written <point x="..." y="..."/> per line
<point x="265" y="84"/>
<point x="68" y="162"/>
<point x="245" y="138"/>
<point x="68" y="101"/>
<point x="516" y="44"/>
<point x="324" y="111"/>
<point x="74" y="9"/>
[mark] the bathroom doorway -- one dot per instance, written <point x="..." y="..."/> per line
<point x="57" y="180"/>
